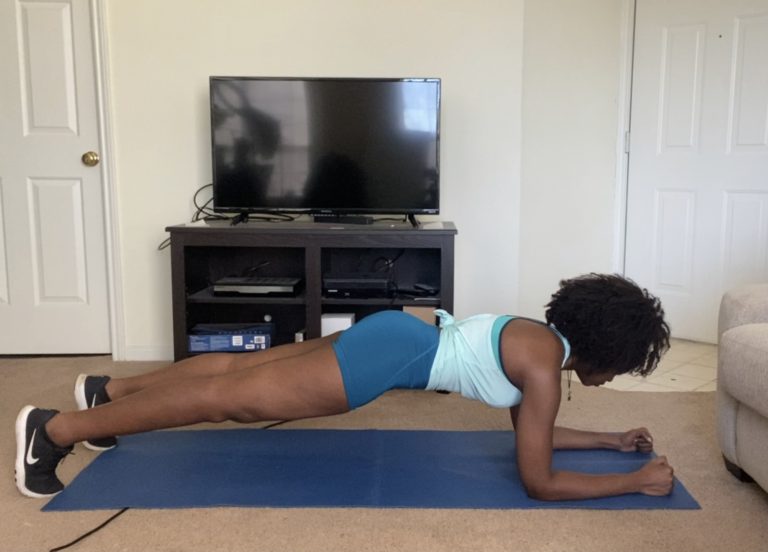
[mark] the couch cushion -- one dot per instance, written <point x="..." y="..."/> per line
<point x="742" y="368"/>
<point x="746" y="304"/>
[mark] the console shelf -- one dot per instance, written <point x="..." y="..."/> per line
<point x="202" y="253"/>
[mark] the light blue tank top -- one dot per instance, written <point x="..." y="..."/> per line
<point x="468" y="359"/>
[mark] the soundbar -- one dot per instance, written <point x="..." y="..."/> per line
<point x="342" y="219"/>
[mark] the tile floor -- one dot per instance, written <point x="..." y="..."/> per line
<point x="687" y="366"/>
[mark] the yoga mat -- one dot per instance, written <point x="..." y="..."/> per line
<point x="333" y="468"/>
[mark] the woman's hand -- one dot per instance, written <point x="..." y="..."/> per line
<point x="656" y="477"/>
<point x="639" y="440"/>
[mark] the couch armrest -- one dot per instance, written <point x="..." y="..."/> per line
<point x="746" y="304"/>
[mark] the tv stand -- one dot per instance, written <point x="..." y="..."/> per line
<point x="343" y="219"/>
<point x="418" y="262"/>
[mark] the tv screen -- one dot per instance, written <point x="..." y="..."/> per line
<point x="325" y="145"/>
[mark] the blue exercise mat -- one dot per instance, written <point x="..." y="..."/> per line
<point x="333" y="468"/>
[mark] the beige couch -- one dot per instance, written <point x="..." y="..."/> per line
<point x="742" y="383"/>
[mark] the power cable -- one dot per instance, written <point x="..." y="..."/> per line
<point x="121" y="512"/>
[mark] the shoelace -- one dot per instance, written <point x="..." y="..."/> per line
<point x="50" y="462"/>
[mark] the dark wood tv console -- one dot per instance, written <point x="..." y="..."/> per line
<point x="417" y="263"/>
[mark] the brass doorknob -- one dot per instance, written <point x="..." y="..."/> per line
<point x="90" y="158"/>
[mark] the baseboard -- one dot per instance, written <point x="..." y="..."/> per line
<point x="147" y="353"/>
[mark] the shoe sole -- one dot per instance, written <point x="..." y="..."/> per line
<point x="21" y="452"/>
<point x="82" y="404"/>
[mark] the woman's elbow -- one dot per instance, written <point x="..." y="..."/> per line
<point x="541" y="490"/>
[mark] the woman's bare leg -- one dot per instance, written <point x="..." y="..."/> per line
<point x="303" y="385"/>
<point x="210" y="364"/>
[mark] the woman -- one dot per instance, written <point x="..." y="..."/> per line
<point x="598" y="326"/>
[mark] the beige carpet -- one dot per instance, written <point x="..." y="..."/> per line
<point x="734" y="516"/>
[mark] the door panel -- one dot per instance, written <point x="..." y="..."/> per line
<point x="698" y="161"/>
<point x="53" y="272"/>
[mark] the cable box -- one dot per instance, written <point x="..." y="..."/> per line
<point x="257" y="285"/>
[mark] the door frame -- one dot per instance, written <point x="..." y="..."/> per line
<point x="623" y="137"/>
<point x="107" y="171"/>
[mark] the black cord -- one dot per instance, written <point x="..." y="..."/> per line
<point x="254" y="269"/>
<point x="272" y="217"/>
<point x="389" y="263"/>
<point x="202" y="212"/>
<point x="121" y="512"/>
<point x="203" y="209"/>
<point x="89" y="533"/>
<point x="274" y="424"/>
<point x="199" y="210"/>
<point x="212" y="215"/>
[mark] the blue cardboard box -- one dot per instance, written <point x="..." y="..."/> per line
<point x="209" y="338"/>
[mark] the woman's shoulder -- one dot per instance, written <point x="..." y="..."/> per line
<point x="530" y="345"/>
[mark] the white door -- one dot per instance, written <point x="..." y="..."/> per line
<point x="697" y="216"/>
<point x="53" y="267"/>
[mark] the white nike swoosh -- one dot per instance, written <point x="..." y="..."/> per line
<point x="93" y="402"/>
<point x="31" y="460"/>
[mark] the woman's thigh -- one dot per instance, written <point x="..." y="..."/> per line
<point x="302" y="385"/>
<point x="240" y="361"/>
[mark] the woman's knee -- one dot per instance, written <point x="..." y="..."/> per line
<point x="223" y="399"/>
<point x="223" y="362"/>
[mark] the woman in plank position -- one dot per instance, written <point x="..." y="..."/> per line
<point x="597" y="326"/>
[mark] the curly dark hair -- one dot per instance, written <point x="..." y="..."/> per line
<point x="612" y="324"/>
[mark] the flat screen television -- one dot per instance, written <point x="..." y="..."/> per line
<point x="332" y="146"/>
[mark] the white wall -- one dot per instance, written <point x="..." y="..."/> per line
<point x="571" y="80"/>
<point x="160" y="57"/>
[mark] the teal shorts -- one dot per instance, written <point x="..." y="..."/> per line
<point x="383" y="351"/>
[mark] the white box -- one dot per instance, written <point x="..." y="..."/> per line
<point x="335" y="322"/>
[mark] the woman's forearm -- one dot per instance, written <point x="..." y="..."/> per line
<point x="564" y="485"/>
<point x="567" y="438"/>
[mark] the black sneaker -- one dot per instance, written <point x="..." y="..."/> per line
<point x="91" y="391"/>
<point x="36" y="456"/>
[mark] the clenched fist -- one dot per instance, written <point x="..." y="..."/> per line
<point x="656" y="477"/>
